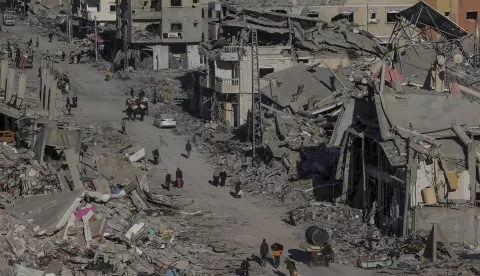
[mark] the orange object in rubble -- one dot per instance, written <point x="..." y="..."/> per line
<point x="7" y="136"/>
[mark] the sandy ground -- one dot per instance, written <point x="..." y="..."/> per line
<point x="101" y="101"/>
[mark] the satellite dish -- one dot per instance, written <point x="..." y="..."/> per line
<point x="457" y="59"/>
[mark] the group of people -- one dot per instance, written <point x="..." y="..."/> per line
<point x="178" y="183"/>
<point x="277" y="250"/>
<point x="73" y="104"/>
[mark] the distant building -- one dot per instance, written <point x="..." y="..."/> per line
<point x="376" y="17"/>
<point x="163" y="34"/>
<point x="101" y="10"/>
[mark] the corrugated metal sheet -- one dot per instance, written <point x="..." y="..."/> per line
<point x="423" y="15"/>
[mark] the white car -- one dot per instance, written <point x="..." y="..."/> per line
<point x="166" y="120"/>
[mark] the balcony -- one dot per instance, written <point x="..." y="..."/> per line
<point x="229" y="53"/>
<point x="227" y="85"/>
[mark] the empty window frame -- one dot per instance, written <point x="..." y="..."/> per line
<point x="175" y="27"/>
<point x="112" y="8"/>
<point x="472" y="15"/>
<point x="265" y="71"/>
<point x="210" y="11"/>
<point x="195" y="1"/>
<point x="372" y="15"/>
<point x="392" y="16"/>
<point x="350" y="16"/>
<point x="176" y="3"/>
<point x="447" y="14"/>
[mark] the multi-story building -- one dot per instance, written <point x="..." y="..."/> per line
<point x="227" y="79"/>
<point x="462" y="12"/>
<point x="164" y="33"/>
<point x="104" y="11"/>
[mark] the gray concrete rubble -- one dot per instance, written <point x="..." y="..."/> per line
<point x="377" y="146"/>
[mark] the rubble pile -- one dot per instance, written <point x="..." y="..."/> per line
<point x="116" y="226"/>
<point x="21" y="175"/>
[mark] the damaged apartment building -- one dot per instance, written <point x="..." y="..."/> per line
<point x="409" y="132"/>
<point x="224" y="89"/>
<point x="162" y="34"/>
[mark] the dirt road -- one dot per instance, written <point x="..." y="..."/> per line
<point x="101" y="101"/>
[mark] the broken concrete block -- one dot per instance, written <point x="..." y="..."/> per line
<point x="48" y="213"/>
<point x="24" y="271"/>
<point x="137" y="155"/>
<point x="84" y="211"/>
<point x="30" y="174"/>
<point x="134" y="230"/>
<point x="86" y="225"/>
<point x="98" y="227"/>
<point x="54" y="268"/>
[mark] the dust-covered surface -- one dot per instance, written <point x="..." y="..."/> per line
<point x="124" y="222"/>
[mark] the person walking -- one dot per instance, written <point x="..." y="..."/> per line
<point x="264" y="252"/>
<point x="245" y="267"/>
<point x="154" y="96"/>
<point x="169" y="96"/>
<point x="107" y="75"/>
<point x="74" y="99"/>
<point x="79" y="57"/>
<point x="72" y="57"/>
<point x="124" y="125"/>
<point x="30" y="43"/>
<point x="37" y="42"/>
<point x="68" y="101"/>
<point x="277" y="252"/>
<point x="168" y="181"/>
<point x="216" y="177"/>
<point x="188" y="148"/>
<point x="63" y="56"/>
<point x="69" y="108"/>
<point x="223" y="178"/>
<point x="238" y="189"/>
<point x="291" y="267"/>
<point x="50" y="36"/>
<point x="179" y="176"/>
<point x="132" y="93"/>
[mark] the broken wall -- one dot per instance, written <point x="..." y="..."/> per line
<point x="431" y="175"/>
<point x="459" y="224"/>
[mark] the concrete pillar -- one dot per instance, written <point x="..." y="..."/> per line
<point x="43" y="80"/>
<point x="3" y="74"/>
<point x="10" y="84"/>
<point x="193" y="57"/>
<point x="48" y="84"/>
<point x="52" y="100"/>
<point x="22" y="86"/>
<point x="160" y="57"/>
<point x="440" y="73"/>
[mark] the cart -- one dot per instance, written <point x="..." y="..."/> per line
<point x="318" y="255"/>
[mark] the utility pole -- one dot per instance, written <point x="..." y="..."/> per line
<point x="257" y="134"/>
<point x="96" y="40"/>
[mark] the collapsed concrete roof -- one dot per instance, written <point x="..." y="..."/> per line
<point x="317" y="84"/>
<point x="428" y="111"/>
<point x="282" y="3"/>
<point x="306" y="33"/>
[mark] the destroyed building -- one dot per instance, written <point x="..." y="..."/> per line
<point x="225" y="87"/>
<point x="162" y="34"/>
<point x="409" y="147"/>
<point x="376" y="18"/>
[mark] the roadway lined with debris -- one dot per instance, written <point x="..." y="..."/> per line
<point x="224" y="232"/>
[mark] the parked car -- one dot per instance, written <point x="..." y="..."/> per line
<point x="165" y="120"/>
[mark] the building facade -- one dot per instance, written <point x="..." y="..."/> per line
<point x="101" y="10"/>
<point x="164" y="33"/>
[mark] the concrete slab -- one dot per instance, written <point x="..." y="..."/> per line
<point x="47" y="213"/>
<point x="137" y="156"/>
<point x="72" y="157"/>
